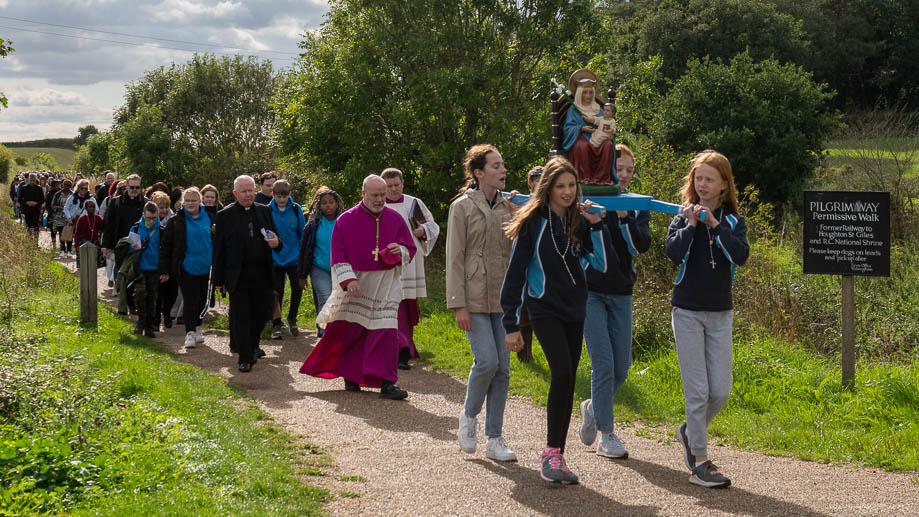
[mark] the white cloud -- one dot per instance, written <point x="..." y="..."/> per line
<point x="98" y="70"/>
<point x="46" y="97"/>
<point x="182" y="10"/>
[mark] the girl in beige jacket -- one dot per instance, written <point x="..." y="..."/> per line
<point x="477" y="257"/>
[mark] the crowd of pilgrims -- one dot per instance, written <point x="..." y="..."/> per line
<point x="555" y="267"/>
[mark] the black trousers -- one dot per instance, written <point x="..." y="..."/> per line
<point x="561" y="342"/>
<point x="250" y="310"/>
<point x="169" y="291"/>
<point x="194" y="298"/>
<point x="281" y="274"/>
<point x="146" y="288"/>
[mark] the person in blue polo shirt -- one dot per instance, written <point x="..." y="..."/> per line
<point x="148" y="279"/>
<point x="289" y="220"/>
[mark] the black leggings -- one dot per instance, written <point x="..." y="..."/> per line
<point x="561" y="343"/>
<point x="194" y="298"/>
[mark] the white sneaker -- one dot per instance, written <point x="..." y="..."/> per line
<point x="612" y="448"/>
<point x="496" y="449"/>
<point x="466" y="434"/>
<point x="588" y="431"/>
<point x="190" y="340"/>
<point x="199" y="336"/>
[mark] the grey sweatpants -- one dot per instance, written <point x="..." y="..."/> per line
<point x="705" y="352"/>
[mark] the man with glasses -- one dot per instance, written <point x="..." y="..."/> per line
<point x="122" y="213"/>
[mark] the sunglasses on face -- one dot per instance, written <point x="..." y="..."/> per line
<point x="133" y="188"/>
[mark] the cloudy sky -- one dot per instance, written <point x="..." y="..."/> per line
<point x="56" y="82"/>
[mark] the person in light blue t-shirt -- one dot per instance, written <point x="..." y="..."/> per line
<point x="316" y="247"/>
<point x="147" y="283"/>
<point x="185" y="254"/>
<point x="289" y="220"/>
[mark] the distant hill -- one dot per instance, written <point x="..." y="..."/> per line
<point x="59" y="143"/>
<point x="64" y="157"/>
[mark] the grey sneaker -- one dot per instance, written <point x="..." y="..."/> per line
<point x="190" y="340"/>
<point x="466" y="434"/>
<point x="706" y="474"/>
<point x="276" y="332"/>
<point x="292" y="327"/>
<point x="688" y="459"/>
<point x="612" y="448"/>
<point x="588" y="424"/>
<point x="554" y="469"/>
<point x="496" y="449"/>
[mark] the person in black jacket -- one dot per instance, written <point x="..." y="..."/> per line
<point x="553" y="236"/>
<point x="315" y="258"/>
<point x="31" y="200"/>
<point x="121" y="214"/>
<point x="707" y="249"/>
<point x="243" y="239"/>
<point x="608" y="327"/>
<point x="186" y="253"/>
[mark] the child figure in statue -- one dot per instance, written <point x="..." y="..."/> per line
<point x="606" y="127"/>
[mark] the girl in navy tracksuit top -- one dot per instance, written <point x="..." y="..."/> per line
<point x="707" y="252"/>
<point x="554" y="239"/>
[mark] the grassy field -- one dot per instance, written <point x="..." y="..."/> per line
<point x="64" y="157"/>
<point x="95" y="420"/>
<point x="887" y="154"/>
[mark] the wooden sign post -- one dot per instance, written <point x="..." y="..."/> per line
<point x="88" y="294"/>
<point x="848" y="234"/>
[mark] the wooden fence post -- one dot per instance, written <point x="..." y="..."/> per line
<point x="848" y="331"/>
<point x="88" y="294"/>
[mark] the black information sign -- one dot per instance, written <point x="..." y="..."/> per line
<point x="847" y="233"/>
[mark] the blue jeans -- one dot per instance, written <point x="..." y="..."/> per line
<point x="608" y="333"/>
<point x="322" y="286"/>
<point x="491" y="371"/>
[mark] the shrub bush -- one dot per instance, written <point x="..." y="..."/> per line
<point x="770" y="120"/>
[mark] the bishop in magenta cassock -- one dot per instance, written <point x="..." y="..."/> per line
<point x="361" y="342"/>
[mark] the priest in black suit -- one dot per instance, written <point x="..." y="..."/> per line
<point x="244" y="237"/>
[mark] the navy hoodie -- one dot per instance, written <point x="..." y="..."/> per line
<point x="699" y="286"/>
<point x="629" y="236"/>
<point x="538" y="274"/>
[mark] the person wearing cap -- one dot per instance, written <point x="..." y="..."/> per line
<point x="525" y="355"/>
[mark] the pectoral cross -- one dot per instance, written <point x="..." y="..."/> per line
<point x="376" y="254"/>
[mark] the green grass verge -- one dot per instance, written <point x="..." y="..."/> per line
<point x="98" y="421"/>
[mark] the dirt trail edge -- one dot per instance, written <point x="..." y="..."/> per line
<point x="409" y="463"/>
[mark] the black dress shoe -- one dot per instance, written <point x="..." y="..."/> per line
<point x="259" y="353"/>
<point x="245" y="367"/>
<point x="149" y="332"/>
<point x="352" y="386"/>
<point x="403" y="365"/>
<point x="392" y="392"/>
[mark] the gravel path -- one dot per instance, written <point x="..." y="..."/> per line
<point x="407" y="454"/>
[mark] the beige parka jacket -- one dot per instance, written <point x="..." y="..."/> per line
<point x="478" y="252"/>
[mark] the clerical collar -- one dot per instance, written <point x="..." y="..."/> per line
<point x="401" y="199"/>
<point x="370" y="212"/>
